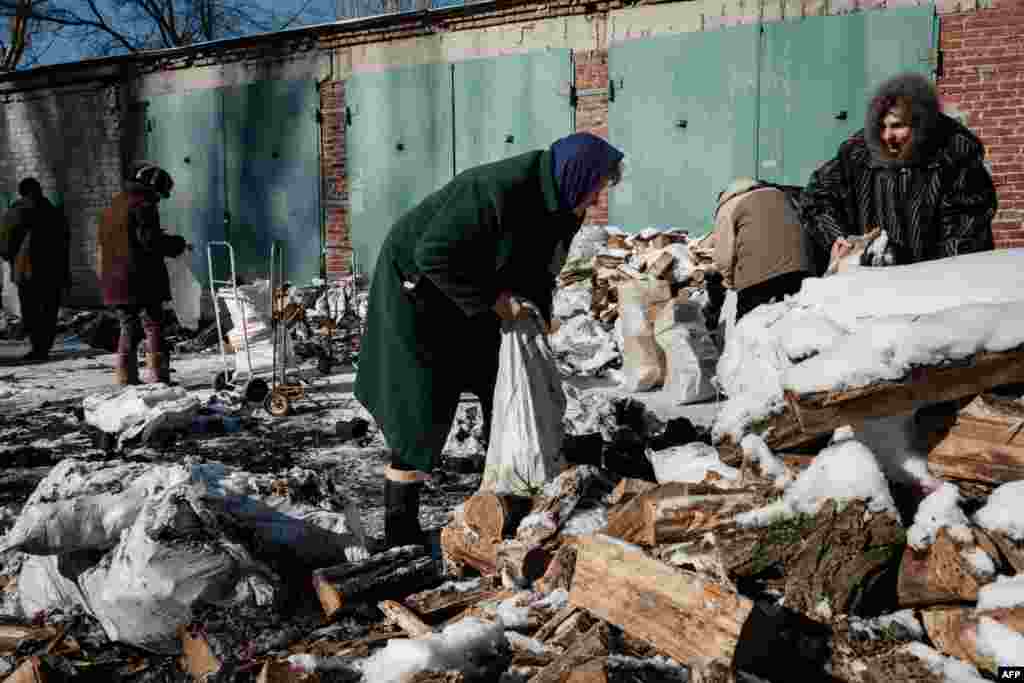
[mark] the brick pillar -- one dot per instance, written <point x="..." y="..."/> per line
<point x="338" y="241"/>
<point x="983" y="79"/>
<point x="592" y="112"/>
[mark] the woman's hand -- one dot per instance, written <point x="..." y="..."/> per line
<point x="507" y="308"/>
<point x="840" y="248"/>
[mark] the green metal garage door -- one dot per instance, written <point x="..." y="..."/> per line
<point x="273" y="176"/>
<point x="684" y="113"/>
<point x="184" y="135"/>
<point x="399" y="148"/>
<point x="817" y="74"/>
<point x="509" y="105"/>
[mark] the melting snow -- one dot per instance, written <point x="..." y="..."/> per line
<point x="1000" y="643"/>
<point x="940" y="509"/>
<point x="980" y="561"/>
<point x="903" y="625"/>
<point x="772" y="467"/>
<point x="1005" y="592"/>
<point x="1002" y="512"/>
<point x="952" y="670"/>
<point x="689" y="463"/>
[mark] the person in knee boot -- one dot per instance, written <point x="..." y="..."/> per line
<point x="448" y="273"/>
<point x="133" y="275"/>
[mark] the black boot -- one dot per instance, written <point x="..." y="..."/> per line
<point x="402" y="513"/>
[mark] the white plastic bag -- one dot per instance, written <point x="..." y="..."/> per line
<point x="525" y="444"/>
<point x="186" y="292"/>
<point x="691" y="355"/>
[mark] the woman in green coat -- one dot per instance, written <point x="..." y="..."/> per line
<point x="445" y="279"/>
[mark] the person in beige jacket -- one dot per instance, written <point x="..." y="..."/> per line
<point x="760" y="247"/>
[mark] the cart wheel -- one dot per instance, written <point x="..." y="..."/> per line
<point x="277" y="404"/>
<point x="220" y="382"/>
<point x="256" y="390"/>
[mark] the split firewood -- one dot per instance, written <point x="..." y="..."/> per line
<point x="610" y="314"/>
<point x="954" y="630"/>
<point x="711" y="671"/>
<point x="461" y="547"/>
<point x="558" y="574"/>
<point x="439" y="603"/>
<point x="571" y="630"/>
<point x="617" y="242"/>
<point x="988" y="450"/>
<point x="197" y="657"/>
<point x="13" y="635"/>
<point x="437" y="677"/>
<point x="31" y="670"/>
<point x="676" y="511"/>
<point x="554" y="507"/>
<point x="1012" y="550"/>
<point x="393" y="573"/>
<point x="605" y="262"/>
<point x="520" y="564"/>
<point x="630" y="488"/>
<point x="698" y="555"/>
<point x="495" y="517"/>
<point x="405" y="619"/>
<point x="943" y="572"/>
<point x="593" y="644"/>
<point x="551" y="625"/>
<point x="679" y="612"/>
<point x="661" y="268"/>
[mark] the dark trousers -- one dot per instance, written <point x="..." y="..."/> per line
<point x="767" y="292"/>
<point x="40" y="304"/>
<point x="138" y="320"/>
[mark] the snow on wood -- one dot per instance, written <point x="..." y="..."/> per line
<point x="593" y="644"/>
<point x="450" y="598"/>
<point x="495" y="517"/>
<point x="629" y="488"/>
<point x="960" y="632"/>
<point x="984" y="444"/>
<point x="558" y="574"/>
<point x="404" y="618"/>
<point x="942" y="573"/>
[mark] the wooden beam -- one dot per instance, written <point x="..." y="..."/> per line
<point x="394" y="573"/>
<point x="404" y="618"/>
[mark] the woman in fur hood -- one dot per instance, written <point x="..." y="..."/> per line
<point x="913" y="172"/>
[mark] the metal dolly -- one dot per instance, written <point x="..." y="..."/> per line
<point x="282" y="315"/>
<point x="252" y="388"/>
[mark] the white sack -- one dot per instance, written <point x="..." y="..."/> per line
<point x="588" y="242"/>
<point x="529" y="404"/>
<point x="9" y="292"/>
<point x="572" y="300"/>
<point x="583" y="346"/>
<point x="86" y="506"/>
<point x="174" y="556"/>
<point x="115" y="410"/>
<point x="690" y="353"/>
<point x="186" y="292"/>
<point x="643" y="362"/>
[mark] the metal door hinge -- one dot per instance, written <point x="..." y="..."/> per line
<point x="573" y="96"/>
<point x="611" y="89"/>
<point x="348" y="116"/>
<point x="935" y="60"/>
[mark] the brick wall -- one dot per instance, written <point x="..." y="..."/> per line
<point x="983" y="78"/>
<point x="592" y="112"/>
<point x="337" y="242"/>
<point x="71" y="142"/>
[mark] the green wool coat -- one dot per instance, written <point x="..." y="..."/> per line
<point x="431" y="332"/>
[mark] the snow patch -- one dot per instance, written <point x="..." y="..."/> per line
<point x="690" y="463"/>
<point x="1000" y="643"/>
<point x="941" y="509"/>
<point x="1004" y="592"/>
<point x="772" y="467"/>
<point x="1002" y="511"/>
<point x="902" y="625"/>
<point x="952" y="670"/>
<point x="586" y="522"/>
<point x="980" y="561"/>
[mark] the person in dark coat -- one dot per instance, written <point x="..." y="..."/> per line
<point x="133" y="275"/>
<point x="445" y="278"/>
<point x="913" y="172"/>
<point x="38" y="240"/>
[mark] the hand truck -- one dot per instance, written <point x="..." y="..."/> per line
<point x="283" y="314"/>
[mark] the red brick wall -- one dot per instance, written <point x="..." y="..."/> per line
<point x="983" y="77"/>
<point x="337" y="242"/>
<point x="592" y="112"/>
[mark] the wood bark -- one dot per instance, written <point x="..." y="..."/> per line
<point x="558" y="574"/>
<point x="675" y="512"/>
<point x="553" y="510"/>
<point x="1012" y="550"/>
<point x="282" y="672"/>
<point x="394" y="573"/>
<point x="197" y="657"/>
<point x="680" y="613"/>
<point x="629" y="488"/>
<point x="405" y="619"/>
<point x="461" y="548"/>
<point x="520" y="564"/>
<point x="941" y="573"/>
<point x="434" y="605"/>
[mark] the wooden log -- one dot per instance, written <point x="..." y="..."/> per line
<point x="282" y="672"/>
<point x="571" y="630"/>
<point x="551" y="510"/>
<point x="437" y="677"/>
<point x="1012" y="550"/>
<point x="13" y="635"/>
<point x="954" y="630"/>
<point x="809" y="416"/>
<point x="31" y="670"/>
<point x="394" y="573"/>
<point x="495" y="517"/>
<point x="461" y="548"/>
<point x="593" y="644"/>
<point x="592" y="671"/>
<point x="987" y="450"/>
<point x="197" y="658"/>
<point x="661" y="268"/>
<point x="630" y="488"/>
<point x="679" y="612"/>
<point x="404" y="618"/>
<point x="558" y="575"/>
<point x="551" y="625"/>
<point x="676" y="511"/>
<point x="520" y="564"/>
<point x="941" y="573"/>
<point x="440" y="603"/>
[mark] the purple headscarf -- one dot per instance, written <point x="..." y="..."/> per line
<point x="579" y="162"/>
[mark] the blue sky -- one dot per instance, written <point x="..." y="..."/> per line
<point x="67" y="46"/>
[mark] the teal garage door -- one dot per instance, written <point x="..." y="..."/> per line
<point x="817" y="74"/>
<point x="399" y="148"/>
<point x="509" y="105"/>
<point x="684" y="114"/>
<point x="184" y="136"/>
<point x="273" y="176"/>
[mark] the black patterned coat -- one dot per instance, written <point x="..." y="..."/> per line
<point x="940" y="204"/>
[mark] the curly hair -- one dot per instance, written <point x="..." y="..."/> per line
<point x="917" y="95"/>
